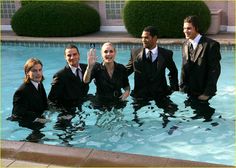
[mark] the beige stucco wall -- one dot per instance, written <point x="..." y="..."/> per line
<point x="231" y="13"/>
<point x="228" y="11"/>
<point x="227" y="17"/>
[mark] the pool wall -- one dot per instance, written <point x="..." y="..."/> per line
<point x="66" y="156"/>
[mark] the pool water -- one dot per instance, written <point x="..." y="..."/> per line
<point x="149" y="131"/>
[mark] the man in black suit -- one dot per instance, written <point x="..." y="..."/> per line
<point x="200" y="66"/>
<point x="30" y="99"/>
<point x="68" y="90"/>
<point x="149" y="64"/>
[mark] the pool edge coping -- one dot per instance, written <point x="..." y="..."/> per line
<point x="85" y="157"/>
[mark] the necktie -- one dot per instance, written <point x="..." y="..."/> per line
<point x="190" y="47"/>
<point x="39" y="87"/>
<point x="149" y="56"/>
<point x="191" y="51"/>
<point x="79" y="73"/>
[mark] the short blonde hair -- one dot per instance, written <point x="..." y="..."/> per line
<point x="28" y="66"/>
<point x="109" y="44"/>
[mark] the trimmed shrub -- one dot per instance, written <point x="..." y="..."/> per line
<point x="55" y="19"/>
<point x="26" y="2"/>
<point x="167" y="16"/>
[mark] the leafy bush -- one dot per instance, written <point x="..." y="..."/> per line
<point x="25" y="2"/>
<point x="167" y="16"/>
<point x="55" y="19"/>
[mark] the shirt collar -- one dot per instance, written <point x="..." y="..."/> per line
<point x="196" y="40"/>
<point x="154" y="51"/>
<point x="35" y="84"/>
<point x="73" y="69"/>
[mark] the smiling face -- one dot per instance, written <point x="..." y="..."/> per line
<point x="108" y="53"/>
<point x="190" y="31"/>
<point x="72" y="56"/>
<point x="35" y="73"/>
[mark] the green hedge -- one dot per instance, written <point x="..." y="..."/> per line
<point x="55" y="19"/>
<point x="167" y="16"/>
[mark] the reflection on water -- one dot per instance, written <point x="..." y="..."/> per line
<point x="201" y="109"/>
<point x="187" y="131"/>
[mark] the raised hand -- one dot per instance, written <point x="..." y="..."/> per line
<point x="92" y="58"/>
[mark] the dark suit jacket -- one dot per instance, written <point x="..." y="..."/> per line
<point x="67" y="90"/>
<point x="28" y="102"/>
<point x="200" y="75"/>
<point x="155" y="87"/>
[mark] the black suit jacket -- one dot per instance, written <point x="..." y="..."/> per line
<point x="157" y="86"/>
<point x="67" y="90"/>
<point x="28" y="102"/>
<point x="200" y="75"/>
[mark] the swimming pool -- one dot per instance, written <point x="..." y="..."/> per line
<point x="149" y="131"/>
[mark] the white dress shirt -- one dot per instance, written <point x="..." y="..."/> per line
<point x="36" y="84"/>
<point x="154" y="53"/>
<point x="195" y="41"/>
<point x="73" y="69"/>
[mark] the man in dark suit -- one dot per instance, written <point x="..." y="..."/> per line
<point x="68" y="90"/>
<point x="30" y="99"/>
<point x="200" y="65"/>
<point x="149" y="64"/>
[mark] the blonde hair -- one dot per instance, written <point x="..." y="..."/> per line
<point x="109" y="44"/>
<point x="28" y="66"/>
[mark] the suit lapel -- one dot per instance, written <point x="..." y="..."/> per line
<point x="32" y="87"/>
<point x="140" y="55"/>
<point x="69" y="71"/>
<point x="198" y="50"/>
<point x="185" y="50"/>
<point x="160" y="58"/>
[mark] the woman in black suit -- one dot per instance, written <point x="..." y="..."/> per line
<point x="110" y="78"/>
<point x="30" y="100"/>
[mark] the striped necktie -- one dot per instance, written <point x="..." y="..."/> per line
<point x="191" y="51"/>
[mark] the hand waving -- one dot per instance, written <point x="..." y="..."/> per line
<point x="92" y="58"/>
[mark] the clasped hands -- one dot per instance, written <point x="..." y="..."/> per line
<point x="203" y="97"/>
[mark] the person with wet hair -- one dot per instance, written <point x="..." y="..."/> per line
<point x="30" y="99"/>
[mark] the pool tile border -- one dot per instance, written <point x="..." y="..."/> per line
<point x="67" y="156"/>
<point x="119" y="46"/>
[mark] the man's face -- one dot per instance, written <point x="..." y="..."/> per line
<point x="72" y="57"/>
<point x="35" y="74"/>
<point x="148" y="41"/>
<point x="190" y="31"/>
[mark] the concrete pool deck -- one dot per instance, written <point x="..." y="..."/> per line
<point x="26" y="154"/>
